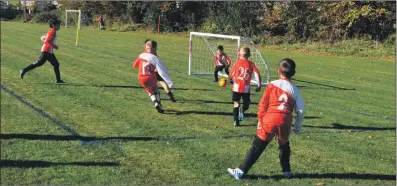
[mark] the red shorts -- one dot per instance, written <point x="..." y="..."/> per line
<point x="275" y="124"/>
<point x="149" y="83"/>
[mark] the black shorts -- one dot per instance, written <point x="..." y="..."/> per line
<point x="159" y="78"/>
<point x="237" y="97"/>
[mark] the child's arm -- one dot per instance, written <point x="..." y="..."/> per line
<point x="299" y="109"/>
<point x="232" y="71"/>
<point x="163" y="72"/>
<point x="229" y="62"/>
<point x="43" y="38"/>
<point x="50" y="39"/>
<point x="136" y="63"/>
<point x="264" y="103"/>
<point x="215" y="59"/>
<point x="258" y="77"/>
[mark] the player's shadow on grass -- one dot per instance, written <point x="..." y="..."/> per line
<point x="124" y="86"/>
<point x="306" y="117"/>
<point x="347" y="127"/>
<point x="325" y="85"/>
<point x="101" y="140"/>
<point x="168" y="111"/>
<point x="328" y="176"/>
<point x="38" y="164"/>
<point x="210" y="101"/>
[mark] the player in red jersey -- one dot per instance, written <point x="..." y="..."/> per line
<point x="148" y="63"/>
<point x="163" y="83"/>
<point x="221" y="61"/>
<point x="275" y="109"/>
<point x="47" y="52"/>
<point x="241" y="75"/>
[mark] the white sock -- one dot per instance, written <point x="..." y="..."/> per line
<point x="153" y="97"/>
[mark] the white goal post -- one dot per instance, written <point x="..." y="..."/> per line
<point x="76" y="20"/>
<point x="203" y="46"/>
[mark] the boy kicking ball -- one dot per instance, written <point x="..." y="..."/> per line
<point x="47" y="52"/>
<point x="280" y="98"/>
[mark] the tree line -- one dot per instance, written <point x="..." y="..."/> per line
<point x="295" y="21"/>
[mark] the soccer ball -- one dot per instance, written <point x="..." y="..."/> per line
<point x="222" y="82"/>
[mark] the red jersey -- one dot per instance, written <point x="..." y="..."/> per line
<point x="149" y="64"/>
<point x="221" y="60"/>
<point x="281" y="97"/>
<point x="145" y="67"/>
<point x="49" y="41"/>
<point x="241" y="73"/>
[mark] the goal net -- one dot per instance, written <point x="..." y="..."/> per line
<point x="202" y="49"/>
<point x="73" y="19"/>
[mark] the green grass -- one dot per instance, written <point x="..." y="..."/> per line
<point x="91" y="109"/>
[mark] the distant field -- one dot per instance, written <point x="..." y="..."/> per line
<point x="103" y="100"/>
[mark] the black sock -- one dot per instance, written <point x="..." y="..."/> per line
<point x="235" y="113"/>
<point x="257" y="147"/>
<point x="285" y="154"/>
<point x="169" y="94"/>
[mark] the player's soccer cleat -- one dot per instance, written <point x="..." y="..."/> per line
<point x="236" y="123"/>
<point x="236" y="173"/>
<point x="60" y="82"/>
<point x="22" y="73"/>
<point x="287" y="175"/>
<point x="214" y="80"/>
<point x="171" y="97"/>
<point x="158" y="107"/>
<point x="240" y="115"/>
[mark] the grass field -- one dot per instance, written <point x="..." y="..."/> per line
<point x="47" y="129"/>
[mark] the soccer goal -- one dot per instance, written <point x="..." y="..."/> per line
<point x="202" y="49"/>
<point x="73" y="18"/>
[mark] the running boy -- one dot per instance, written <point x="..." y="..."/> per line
<point x="221" y="61"/>
<point x="241" y="75"/>
<point x="148" y="63"/>
<point x="162" y="82"/>
<point x="280" y="98"/>
<point x="47" y="52"/>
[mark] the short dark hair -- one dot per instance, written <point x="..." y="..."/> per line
<point x="53" y="22"/>
<point x="287" y="67"/>
<point x="220" y="47"/>
<point x="146" y="40"/>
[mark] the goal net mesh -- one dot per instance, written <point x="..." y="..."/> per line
<point x="203" y="49"/>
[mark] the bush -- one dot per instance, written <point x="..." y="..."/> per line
<point x="44" y="17"/>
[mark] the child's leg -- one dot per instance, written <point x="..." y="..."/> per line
<point x="227" y="70"/>
<point x="166" y="88"/>
<point x="284" y="148"/>
<point x="285" y="154"/>
<point x="54" y="62"/>
<point x="236" y="105"/>
<point x="246" y="101"/>
<point x="257" y="147"/>
<point x="216" y="74"/>
<point x="43" y="58"/>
